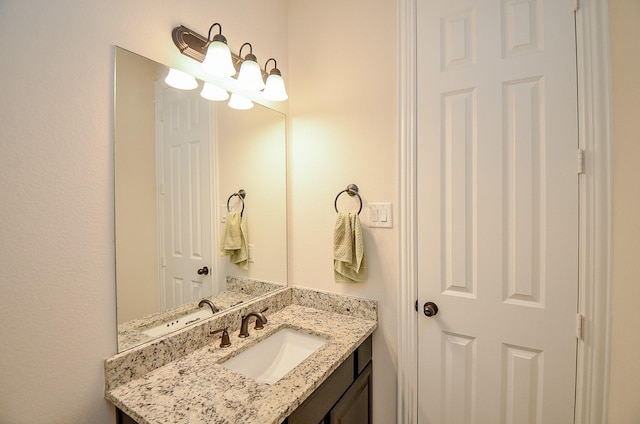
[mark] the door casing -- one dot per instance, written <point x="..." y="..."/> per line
<point x="594" y="114"/>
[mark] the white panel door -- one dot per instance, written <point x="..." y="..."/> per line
<point x="497" y="211"/>
<point x="186" y="197"/>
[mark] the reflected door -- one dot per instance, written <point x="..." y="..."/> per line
<point x="497" y="211"/>
<point x="185" y="193"/>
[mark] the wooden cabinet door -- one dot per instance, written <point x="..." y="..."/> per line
<point x="354" y="407"/>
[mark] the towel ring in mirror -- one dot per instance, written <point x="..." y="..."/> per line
<point x="241" y="195"/>
<point x="351" y="190"/>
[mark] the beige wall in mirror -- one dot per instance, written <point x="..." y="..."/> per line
<point x="179" y="159"/>
<point x="136" y="216"/>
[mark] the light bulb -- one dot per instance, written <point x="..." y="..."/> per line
<point x="274" y="88"/>
<point x="217" y="61"/>
<point x="239" y="102"/>
<point x="250" y="76"/>
<point x="180" y="80"/>
<point x="213" y="92"/>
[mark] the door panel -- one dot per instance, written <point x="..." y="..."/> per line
<point x="186" y="196"/>
<point x="497" y="211"/>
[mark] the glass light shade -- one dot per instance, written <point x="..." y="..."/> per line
<point x="213" y="92"/>
<point x="274" y="89"/>
<point x="180" y="80"/>
<point x="217" y="61"/>
<point x="250" y="76"/>
<point x="239" y="102"/>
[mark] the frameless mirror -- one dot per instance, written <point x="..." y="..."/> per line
<point x="180" y="162"/>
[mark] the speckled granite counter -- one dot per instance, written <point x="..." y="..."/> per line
<point x="239" y="290"/>
<point x="179" y="379"/>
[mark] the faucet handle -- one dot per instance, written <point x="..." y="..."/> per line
<point x="224" y="340"/>
<point x="259" y="324"/>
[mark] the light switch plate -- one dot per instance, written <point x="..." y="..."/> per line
<point x="380" y="215"/>
<point x="250" y="252"/>
<point x="223" y="214"/>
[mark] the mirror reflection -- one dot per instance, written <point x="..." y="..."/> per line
<point x="180" y="163"/>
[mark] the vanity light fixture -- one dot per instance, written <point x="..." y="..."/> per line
<point x="250" y="75"/>
<point x="239" y="102"/>
<point x="180" y="80"/>
<point x="217" y="60"/>
<point x="213" y="92"/>
<point x="209" y="51"/>
<point x="274" y="88"/>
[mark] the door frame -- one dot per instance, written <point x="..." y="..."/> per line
<point x="594" y="115"/>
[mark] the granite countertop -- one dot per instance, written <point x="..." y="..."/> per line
<point x="239" y="290"/>
<point x="195" y="388"/>
<point x="131" y="333"/>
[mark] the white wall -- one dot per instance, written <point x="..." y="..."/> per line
<point x="625" y="366"/>
<point x="343" y="108"/>
<point x="57" y="301"/>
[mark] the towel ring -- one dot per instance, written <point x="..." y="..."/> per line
<point x="351" y="190"/>
<point x="241" y="195"/>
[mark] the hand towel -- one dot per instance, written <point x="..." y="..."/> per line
<point x="234" y="240"/>
<point x="348" y="249"/>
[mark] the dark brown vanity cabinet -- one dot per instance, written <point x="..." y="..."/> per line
<point x="345" y="397"/>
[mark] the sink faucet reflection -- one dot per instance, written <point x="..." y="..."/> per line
<point x="244" y="327"/>
<point x="213" y="307"/>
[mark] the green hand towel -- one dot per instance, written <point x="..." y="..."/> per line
<point x="348" y="249"/>
<point x="234" y="240"/>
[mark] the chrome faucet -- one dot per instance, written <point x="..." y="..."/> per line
<point x="244" y="327"/>
<point x="213" y="307"/>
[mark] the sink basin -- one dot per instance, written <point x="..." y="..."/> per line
<point x="270" y="359"/>
<point x="178" y="323"/>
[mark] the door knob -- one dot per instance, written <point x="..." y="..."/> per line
<point x="203" y="271"/>
<point x="430" y="309"/>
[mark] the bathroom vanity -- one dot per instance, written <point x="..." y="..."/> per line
<point x="183" y="377"/>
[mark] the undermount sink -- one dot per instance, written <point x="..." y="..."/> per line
<point x="270" y="359"/>
<point x="178" y="323"/>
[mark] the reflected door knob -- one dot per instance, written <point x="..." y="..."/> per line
<point x="430" y="309"/>
<point x="203" y="271"/>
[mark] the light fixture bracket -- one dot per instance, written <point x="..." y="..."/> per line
<point x="194" y="45"/>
